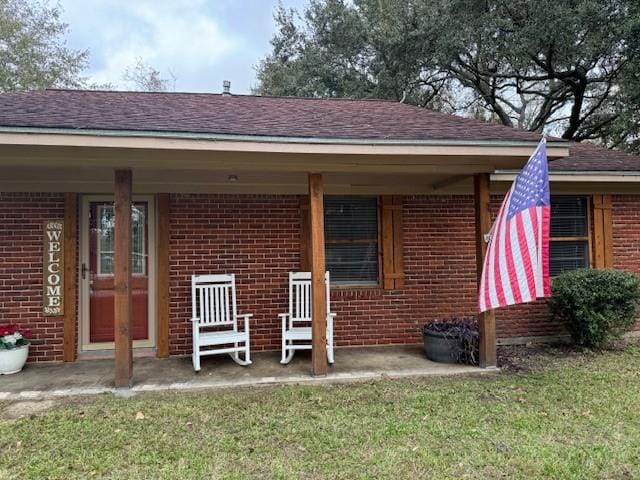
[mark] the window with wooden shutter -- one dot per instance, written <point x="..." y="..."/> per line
<point x="351" y="240"/>
<point x="570" y="239"/>
<point x="363" y="240"/>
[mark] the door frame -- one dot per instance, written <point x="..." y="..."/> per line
<point x="84" y="344"/>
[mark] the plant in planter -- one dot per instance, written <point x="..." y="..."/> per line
<point x="455" y="340"/>
<point x="14" y="348"/>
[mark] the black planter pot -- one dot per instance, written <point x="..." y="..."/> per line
<point x="441" y="348"/>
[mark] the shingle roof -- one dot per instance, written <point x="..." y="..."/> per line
<point x="274" y="116"/>
<point x="589" y="157"/>
<point x="243" y="115"/>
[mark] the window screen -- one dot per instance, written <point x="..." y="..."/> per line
<point x="351" y="239"/>
<point x="569" y="247"/>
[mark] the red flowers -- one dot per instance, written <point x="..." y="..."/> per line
<point x="12" y="328"/>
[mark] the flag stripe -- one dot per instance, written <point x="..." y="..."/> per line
<point x="497" y="261"/>
<point x="516" y="275"/>
<point x="525" y="259"/>
<point x="503" y="269"/>
<point x="546" y="233"/>
<point x="533" y="237"/>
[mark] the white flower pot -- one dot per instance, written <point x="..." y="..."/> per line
<point x="12" y="361"/>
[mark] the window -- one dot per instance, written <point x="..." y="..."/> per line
<point x="569" y="246"/>
<point x="106" y="216"/>
<point x="351" y="240"/>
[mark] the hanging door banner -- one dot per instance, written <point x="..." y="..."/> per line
<point x="53" y="269"/>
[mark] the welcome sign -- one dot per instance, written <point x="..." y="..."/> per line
<point x="53" y="268"/>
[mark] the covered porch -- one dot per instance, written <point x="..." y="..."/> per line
<point x="175" y="374"/>
<point x="129" y="165"/>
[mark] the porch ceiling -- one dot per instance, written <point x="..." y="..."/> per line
<point x="147" y="180"/>
<point x="49" y="162"/>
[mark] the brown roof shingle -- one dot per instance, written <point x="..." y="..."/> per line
<point x="275" y="116"/>
<point x="589" y="157"/>
<point x="243" y="115"/>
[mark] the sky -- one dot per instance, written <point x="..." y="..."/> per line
<point x="202" y="42"/>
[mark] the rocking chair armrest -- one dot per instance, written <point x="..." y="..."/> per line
<point x="284" y="317"/>
<point x="330" y="317"/>
<point x="246" y="317"/>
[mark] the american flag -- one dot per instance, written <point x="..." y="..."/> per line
<point x="516" y="265"/>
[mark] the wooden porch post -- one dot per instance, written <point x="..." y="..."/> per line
<point x="162" y="274"/>
<point x="70" y="276"/>
<point x="486" y="320"/>
<point x="122" y="280"/>
<point x="318" y="300"/>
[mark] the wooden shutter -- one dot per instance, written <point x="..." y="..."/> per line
<point x="392" y="242"/>
<point x="602" y="231"/>
<point x="305" y="245"/>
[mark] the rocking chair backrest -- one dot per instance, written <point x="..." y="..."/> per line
<point x="213" y="299"/>
<point x="300" y="295"/>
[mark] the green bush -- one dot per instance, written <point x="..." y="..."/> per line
<point x="598" y="306"/>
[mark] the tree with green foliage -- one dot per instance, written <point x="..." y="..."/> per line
<point x="560" y="66"/>
<point x="33" y="52"/>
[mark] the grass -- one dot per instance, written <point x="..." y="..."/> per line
<point x="572" y="417"/>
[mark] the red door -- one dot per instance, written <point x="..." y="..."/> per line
<point x="101" y="294"/>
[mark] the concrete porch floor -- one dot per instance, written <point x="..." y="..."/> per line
<point x="90" y="377"/>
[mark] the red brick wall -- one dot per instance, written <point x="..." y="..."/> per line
<point x="626" y="232"/>
<point x="21" y="223"/>
<point x="439" y="277"/>
<point x="257" y="237"/>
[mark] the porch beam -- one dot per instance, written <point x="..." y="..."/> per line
<point x="486" y="320"/>
<point x="447" y="182"/>
<point x="319" y="303"/>
<point x="123" y="305"/>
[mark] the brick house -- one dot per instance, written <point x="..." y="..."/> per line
<point x="220" y="184"/>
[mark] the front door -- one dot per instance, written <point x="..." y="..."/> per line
<point x="97" y="273"/>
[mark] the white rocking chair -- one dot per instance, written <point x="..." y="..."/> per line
<point x="296" y="325"/>
<point x="213" y="300"/>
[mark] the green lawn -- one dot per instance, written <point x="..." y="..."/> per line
<point x="573" y="417"/>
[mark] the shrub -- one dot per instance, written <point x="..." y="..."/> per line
<point x="598" y="306"/>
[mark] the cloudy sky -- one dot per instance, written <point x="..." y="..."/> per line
<point x="203" y="42"/>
